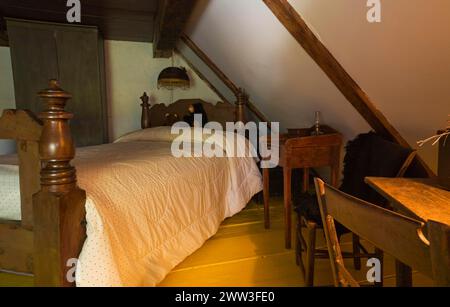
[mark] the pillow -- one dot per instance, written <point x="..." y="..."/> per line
<point x="164" y="134"/>
<point x="161" y="134"/>
<point x="229" y="141"/>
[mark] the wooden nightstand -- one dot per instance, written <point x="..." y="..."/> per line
<point x="301" y="150"/>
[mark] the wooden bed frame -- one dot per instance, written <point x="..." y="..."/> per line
<point x="51" y="232"/>
<point x="222" y="112"/>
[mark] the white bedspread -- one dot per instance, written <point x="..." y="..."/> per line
<point x="9" y="192"/>
<point x="146" y="210"/>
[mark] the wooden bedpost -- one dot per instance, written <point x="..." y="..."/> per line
<point x="145" y="118"/>
<point x="59" y="212"/>
<point x="241" y="103"/>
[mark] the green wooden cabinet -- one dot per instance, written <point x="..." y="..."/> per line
<point x="73" y="55"/>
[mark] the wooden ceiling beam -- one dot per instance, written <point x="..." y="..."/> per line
<point x="202" y="77"/>
<point x="117" y="20"/>
<point x="3" y="40"/>
<point x="3" y="34"/>
<point x="198" y="52"/>
<point x="298" y="28"/>
<point x="170" y="21"/>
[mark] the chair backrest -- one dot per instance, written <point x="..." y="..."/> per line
<point x="402" y="237"/>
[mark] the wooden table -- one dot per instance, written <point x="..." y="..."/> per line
<point x="421" y="199"/>
<point x="301" y="150"/>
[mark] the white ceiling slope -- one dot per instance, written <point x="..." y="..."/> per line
<point x="402" y="63"/>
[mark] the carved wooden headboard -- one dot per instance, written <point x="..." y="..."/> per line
<point x="222" y="112"/>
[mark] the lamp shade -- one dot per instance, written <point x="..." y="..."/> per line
<point x="174" y="77"/>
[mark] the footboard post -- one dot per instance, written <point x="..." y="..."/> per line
<point x="59" y="211"/>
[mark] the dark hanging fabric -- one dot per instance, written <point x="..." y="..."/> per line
<point x="198" y="109"/>
<point x="370" y="155"/>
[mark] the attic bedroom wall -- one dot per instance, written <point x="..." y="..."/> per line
<point x="258" y="54"/>
<point x="130" y="70"/>
<point x="402" y="63"/>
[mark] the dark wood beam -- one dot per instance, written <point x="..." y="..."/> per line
<point x="3" y="34"/>
<point x="169" y="24"/>
<point x="221" y="75"/>
<point x="3" y="39"/>
<point x="202" y="76"/>
<point x="295" y="24"/>
<point x="198" y="52"/>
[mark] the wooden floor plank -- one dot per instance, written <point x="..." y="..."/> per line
<point x="243" y="253"/>
<point x="11" y="280"/>
<point x="264" y="271"/>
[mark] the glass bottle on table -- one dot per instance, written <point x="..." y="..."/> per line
<point x="316" y="131"/>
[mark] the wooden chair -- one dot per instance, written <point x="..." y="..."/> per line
<point x="402" y="237"/>
<point x="309" y="244"/>
<point x="312" y="253"/>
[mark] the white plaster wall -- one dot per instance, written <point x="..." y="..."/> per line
<point x="7" y="99"/>
<point x="257" y="53"/>
<point x="131" y="70"/>
<point x="402" y="63"/>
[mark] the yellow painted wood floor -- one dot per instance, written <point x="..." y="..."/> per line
<point x="243" y="253"/>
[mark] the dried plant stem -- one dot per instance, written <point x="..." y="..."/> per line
<point x="435" y="138"/>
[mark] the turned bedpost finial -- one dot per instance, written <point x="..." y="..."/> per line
<point x="145" y="119"/>
<point x="242" y="101"/>
<point x="56" y="147"/>
<point x="59" y="207"/>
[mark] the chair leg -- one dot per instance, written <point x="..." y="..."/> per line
<point x="299" y="251"/>
<point x="298" y="247"/>
<point x="310" y="254"/>
<point x="403" y="275"/>
<point x="380" y="255"/>
<point x="356" y="252"/>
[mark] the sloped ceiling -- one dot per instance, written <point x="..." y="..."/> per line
<point x="402" y="63"/>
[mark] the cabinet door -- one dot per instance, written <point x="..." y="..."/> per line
<point x="42" y="51"/>
<point x="79" y="73"/>
<point x="33" y="57"/>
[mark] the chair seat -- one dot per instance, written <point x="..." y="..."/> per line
<point x="307" y="206"/>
